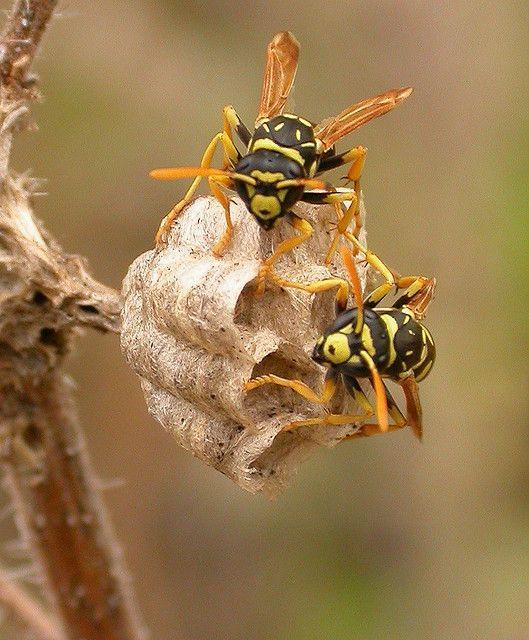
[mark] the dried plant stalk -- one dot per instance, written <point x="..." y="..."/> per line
<point x="195" y="332"/>
<point x="20" y="607"/>
<point x="45" y="297"/>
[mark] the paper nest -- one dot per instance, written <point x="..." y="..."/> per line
<point x="194" y="332"/>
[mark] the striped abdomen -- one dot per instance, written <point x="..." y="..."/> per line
<point x="411" y="347"/>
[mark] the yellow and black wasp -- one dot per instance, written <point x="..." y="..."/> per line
<point x="370" y="342"/>
<point x="284" y="157"/>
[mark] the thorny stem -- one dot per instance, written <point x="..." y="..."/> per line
<point x="18" y="45"/>
<point x="45" y="296"/>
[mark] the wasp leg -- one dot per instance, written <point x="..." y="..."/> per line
<point x="417" y="296"/>
<point x="418" y="289"/>
<point x="329" y="386"/>
<point x="413" y="412"/>
<point x="354" y="389"/>
<point x="413" y="404"/>
<point x="371" y="429"/>
<point x="342" y="293"/>
<point x="305" y="229"/>
<point x="335" y="419"/>
<point x="214" y="183"/>
<point x="230" y="152"/>
<point x="344" y="217"/>
<point x="233" y="121"/>
<point x="357" y="157"/>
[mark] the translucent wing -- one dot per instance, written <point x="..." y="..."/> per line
<point x="332" y="129"/>
<point x="280" y="71"/>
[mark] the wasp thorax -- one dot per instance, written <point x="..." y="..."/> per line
<point x="264" y="196"/>
<point x="341" y="347"/>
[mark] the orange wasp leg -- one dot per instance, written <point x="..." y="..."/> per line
<point x="231" y="157"/>
<point x="418" y="289"/>
<point x="357" y="157"/>
<point x="344" y="217"/>
<point x="306" y="230"/>
<point x="214" y="183"/>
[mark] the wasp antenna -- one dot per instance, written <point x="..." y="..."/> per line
<point x="176" y="173"/>
<point x="241" y="178"/>
<point x="357" y="288"/>
<point x="308" y="183"/>
<point x="380" y="392"/>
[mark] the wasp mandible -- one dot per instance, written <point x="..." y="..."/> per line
<point x="284" y="157"/>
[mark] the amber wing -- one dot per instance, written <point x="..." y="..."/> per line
<point x="280" y="71"/>
<point x="332" y="129"/>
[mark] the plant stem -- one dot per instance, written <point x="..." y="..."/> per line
<point x="45" y="296"/>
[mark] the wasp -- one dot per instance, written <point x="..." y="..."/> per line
<point x="367" y="341"/>
<point x="283" y="159"/>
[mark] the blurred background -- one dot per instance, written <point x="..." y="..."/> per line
<point x="382" y="538"/>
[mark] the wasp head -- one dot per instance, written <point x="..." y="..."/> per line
<point x="270" y="189"/>
<point x="341" y="347"/>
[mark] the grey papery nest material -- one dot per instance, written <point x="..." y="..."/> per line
<point x="194" y="332"/>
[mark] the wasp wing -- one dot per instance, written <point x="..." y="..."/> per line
<point x="332" y="129"/>
<point x="280" y="71"/>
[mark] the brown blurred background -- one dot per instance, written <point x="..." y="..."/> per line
<point x="383" y="538"/>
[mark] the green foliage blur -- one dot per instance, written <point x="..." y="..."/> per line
<point x="383" y="538"/>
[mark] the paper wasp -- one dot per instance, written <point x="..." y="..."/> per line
<point x="284" y="156"/>
<point x="371" y="342"/>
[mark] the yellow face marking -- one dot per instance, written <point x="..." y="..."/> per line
<point x="336" y="348"/>
<point x="265" y="206"/>
<point x="355" y="360"/>
<point x="267" y="176"/>
<point x="392" y="328"/>
<point x="282" y="194"/>
<point x="298" y="135"/>
<point x="270" y="145"/>
<point x="251" y="190"/>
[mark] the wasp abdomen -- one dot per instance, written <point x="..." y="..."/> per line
<point x="413" y="349"/>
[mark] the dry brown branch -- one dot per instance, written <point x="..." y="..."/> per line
<point x="45" y="296"/>
<point x="21" y="607"/>
<point x="18" y="45"/>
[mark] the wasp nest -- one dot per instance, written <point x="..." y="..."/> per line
<point x="194" y="332"/>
